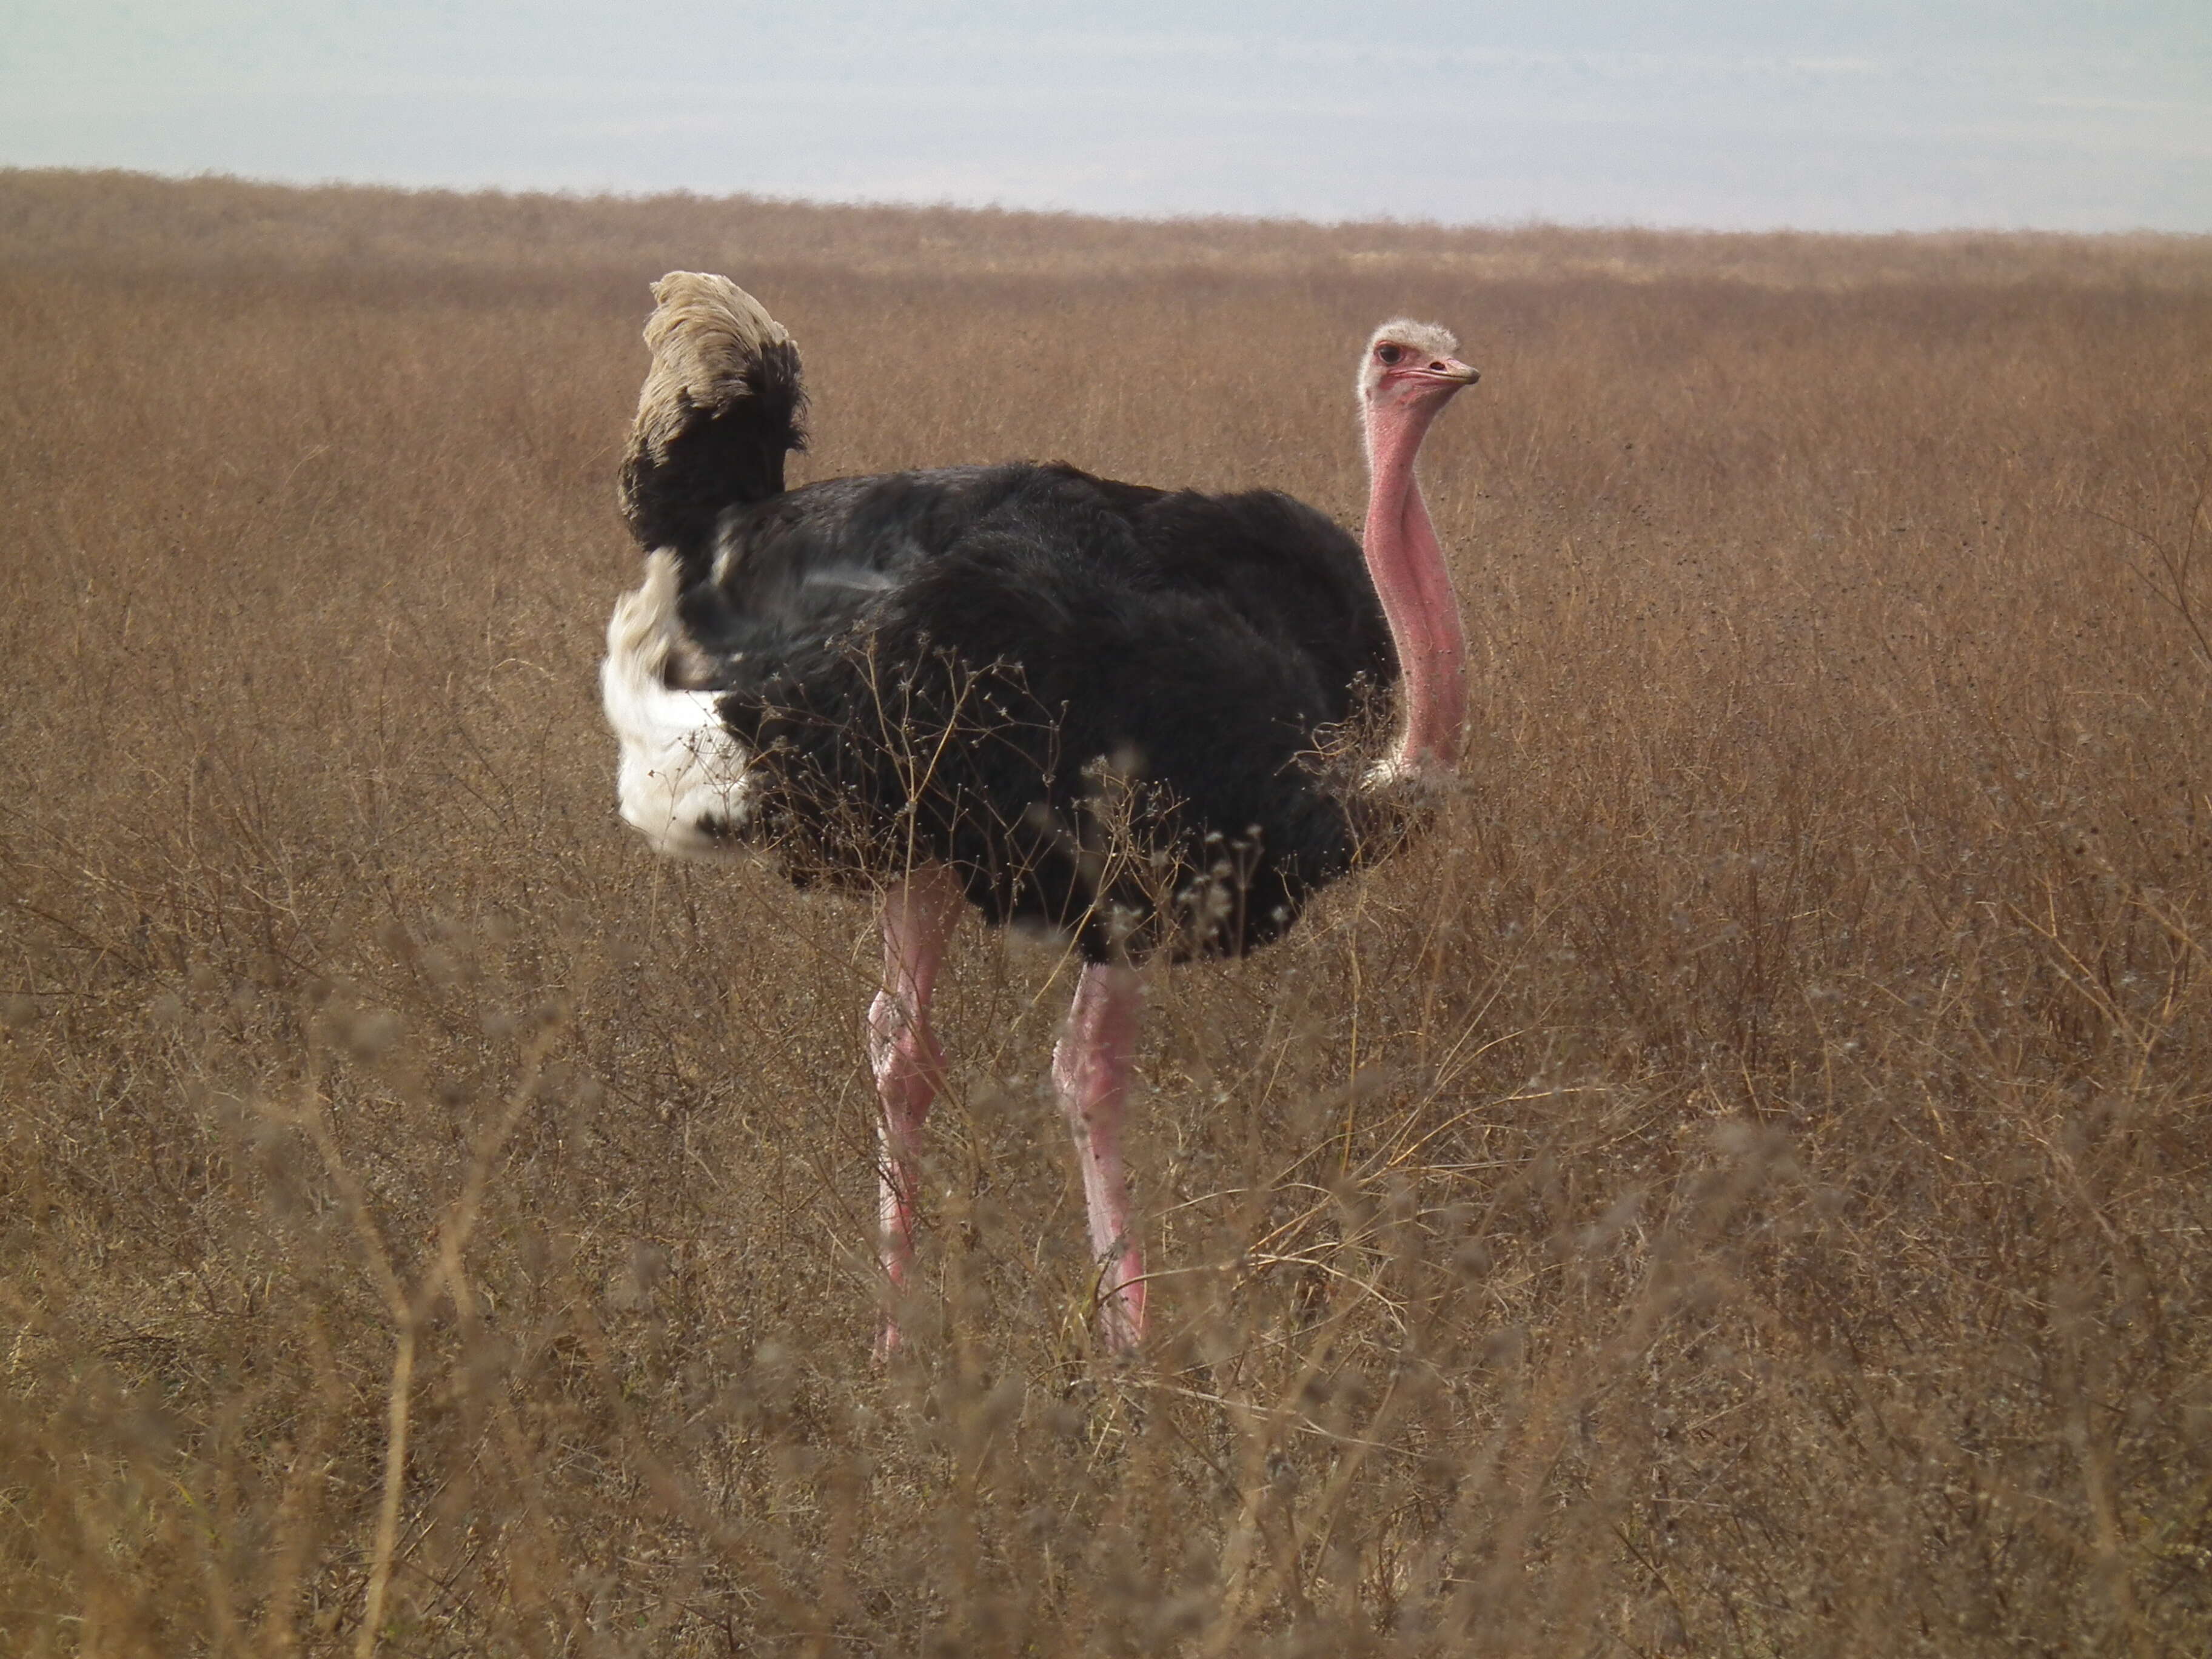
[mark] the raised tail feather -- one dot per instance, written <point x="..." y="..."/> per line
<point x="683" y="783"/>
<point x="722" y="405"/>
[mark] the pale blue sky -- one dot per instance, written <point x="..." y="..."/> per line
<point x="1730" y="113"/>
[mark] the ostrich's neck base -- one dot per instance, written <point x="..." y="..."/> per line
<point x="1415" y="587"/>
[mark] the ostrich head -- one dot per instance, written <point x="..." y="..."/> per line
<point x="1408" y="365"/>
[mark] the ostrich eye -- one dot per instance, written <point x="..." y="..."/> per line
<point x="1388" y="353"/>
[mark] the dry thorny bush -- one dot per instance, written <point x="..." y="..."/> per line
<point x="1737" y="1187"/>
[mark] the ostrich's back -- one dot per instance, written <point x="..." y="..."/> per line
<point x="1002" y="667"/>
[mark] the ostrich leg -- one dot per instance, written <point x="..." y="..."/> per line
<point x="1090" y="1070"/>
<point x="919" y="916"/>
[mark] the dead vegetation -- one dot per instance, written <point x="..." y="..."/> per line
<point x="1742" y="1189"/>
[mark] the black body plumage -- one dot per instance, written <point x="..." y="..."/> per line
<point x="1098" y="703"/>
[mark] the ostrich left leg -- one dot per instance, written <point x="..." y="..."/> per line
<point x="919" y="915"/>
<point x="1090" y="1071"/>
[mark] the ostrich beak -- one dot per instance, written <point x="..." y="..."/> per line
<point x="1456" y="371"/>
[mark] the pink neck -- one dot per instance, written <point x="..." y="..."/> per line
<point x="1415" y="587"/>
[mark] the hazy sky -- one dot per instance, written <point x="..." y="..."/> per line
<point x="1721" y="112"/>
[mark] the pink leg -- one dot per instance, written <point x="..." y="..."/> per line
<point x="1091" y="1069"/>
<point x="919" y="916"/>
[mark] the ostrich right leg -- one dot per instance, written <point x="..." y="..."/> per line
<point x="1090" y="1073"/>
<point x="919" y="915"/>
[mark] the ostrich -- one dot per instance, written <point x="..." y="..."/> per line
<point x="1070" y="703"/>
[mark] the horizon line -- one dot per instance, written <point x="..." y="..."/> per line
<point x="581" y="194"/>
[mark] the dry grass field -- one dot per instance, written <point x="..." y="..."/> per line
<point x="1740" y="1187"/>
